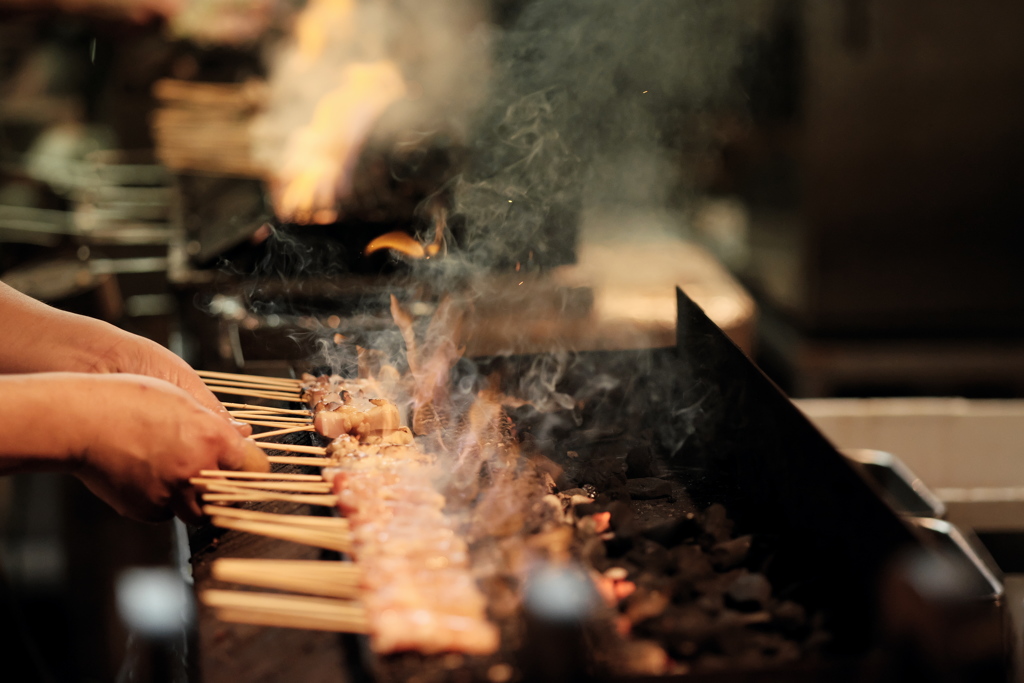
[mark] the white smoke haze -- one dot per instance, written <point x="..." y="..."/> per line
<point x="594" y="102"/>
<point x="566" y="107"/>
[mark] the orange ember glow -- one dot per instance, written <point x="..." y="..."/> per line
<point x="320" y="157"/>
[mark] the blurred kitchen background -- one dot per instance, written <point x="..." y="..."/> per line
<point x="841" y="190"/>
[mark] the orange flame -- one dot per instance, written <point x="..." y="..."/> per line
<point x="321" y="21"/>
<point x="399" y="241"/>
<point x="404" y="243"/>
<point x="321" y="157"/>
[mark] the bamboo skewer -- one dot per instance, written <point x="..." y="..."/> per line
<point x="265" y="423"/>
<point x="283" y="431"/>
<point x="282" y="476"/>
<point x="281" y="619"/>
<point x="302" y="498"/>
<point x="337" y="524"/>
<point x="295" y="604"/>
<point x="256" y="415"/>
<point x="266" y="409"/>
<point x="330" y="540"/>
<point x="294" y="448"/>
<point x="251" y="385"/>
<point x="256" y="393"/>
<point x="220" y="486"/>
<point x="312" y="577"/>
<point x="284" y="381"/>
<point x="298" y="460"/>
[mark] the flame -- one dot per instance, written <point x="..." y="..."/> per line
<point x="321" y="21"/>
<point x="320" y="158"/>
<point x="399" y="241"/>
<point x="404" y="243"/>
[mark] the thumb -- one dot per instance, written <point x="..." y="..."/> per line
<point x="245" y="455"/>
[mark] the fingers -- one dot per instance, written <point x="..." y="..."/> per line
<point x="243" y="429"/>
<point x="244" y="455"/>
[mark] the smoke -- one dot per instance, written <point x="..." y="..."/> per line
<point x="593" y="102"/>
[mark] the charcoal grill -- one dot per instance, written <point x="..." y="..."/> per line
<point x="719" y="427"/>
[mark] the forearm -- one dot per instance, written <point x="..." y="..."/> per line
<point x="38" y="422"/>
<point x="35" y="337"/>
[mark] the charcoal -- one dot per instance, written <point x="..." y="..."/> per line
<point x="712" y="662"/>
<point x="567" y="494"/>
<point x="684" y="591"/>
<point x="711" y="603"/>
<point x="789" y="616"/>
<point x="650" y="556"/>
<point x="622" y="522"/>
<point x="640" y="462"/>
<point x="643" y="658"/>
<point x="775" y="646"/>
<point x="692" y="564"/>
<point x="670" y="534"/>
<point x="605" y="473"/>
<point x="593" y="551"/>
<point x="749" y="587"/>
<point x="546" y="511"/>
<point x="645" y="604"/>
<point x="717" y="523"/>
<point x="687" y="622"/>
<point x="648" y="488"/>
<point x="718" y="583"/>
<point x="579" y="501"/>
<point x="731" y="553"/>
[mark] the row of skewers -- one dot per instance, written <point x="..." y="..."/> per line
<point x="409" y="585"/>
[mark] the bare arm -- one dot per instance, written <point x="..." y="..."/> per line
<point x="35" y="337"/>
<point x="133" y="440"/>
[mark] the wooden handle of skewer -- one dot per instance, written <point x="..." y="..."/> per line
<point x="299" y="460"/>
<point x="281" y="476"/>
<point x="313" y="450"/>
<point x="251" y="385"/>
<point x="267" y="423"/>
<point x="329" y="540"/>
<point x="256" y="415"/>
<point x="221" y="486"/>
<point x="214" y="597"/>
<point x="256" y="393"/>
<point x="264" y="616"/>
<point x="311" y="577"/>
<point x="337" y="524"/>
<point x="265" y="496"/>
<point x="284" y="381"/>
<point x="264" y="409"/>
<point x="283" y="431"/>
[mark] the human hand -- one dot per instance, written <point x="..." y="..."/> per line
<point x="129" y="353"/>
<point x="138" y="440"/>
